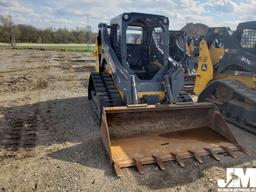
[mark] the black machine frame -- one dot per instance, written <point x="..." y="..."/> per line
<point x="171" y="72"/>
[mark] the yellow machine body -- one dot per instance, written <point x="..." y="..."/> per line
<point x="204" y="69"/>
<point x="191" y="47"/>
<point x="208" y="57"/>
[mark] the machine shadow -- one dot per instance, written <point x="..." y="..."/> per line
<point x="24" y="128"/>
<point x="46" y="123"/>
<point x="73" y="120"/>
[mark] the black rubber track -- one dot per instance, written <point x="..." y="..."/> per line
<point x="242" y="94"/>
<point x="103" y="92"/>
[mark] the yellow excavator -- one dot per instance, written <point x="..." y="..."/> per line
<point x="146" y="117"/>
<point x="226" y="73"/>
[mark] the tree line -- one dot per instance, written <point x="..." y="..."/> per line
<point x="21" y="33"/>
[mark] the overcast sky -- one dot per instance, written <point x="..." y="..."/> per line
<point x="74" y="13"/>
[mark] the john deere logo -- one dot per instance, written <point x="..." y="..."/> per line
<point x="238" y="179"/>
<point x="204" y="67"/>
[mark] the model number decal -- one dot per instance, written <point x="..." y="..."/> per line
<point x="246" y="60"/>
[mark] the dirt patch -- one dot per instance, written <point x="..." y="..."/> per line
<point x="50" y="140"/>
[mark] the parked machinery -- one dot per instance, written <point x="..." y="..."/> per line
<point x="226" y="73"/>
<point x="180" y="52"/>
<point x="137" y="90"/>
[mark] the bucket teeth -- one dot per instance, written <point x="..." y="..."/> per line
<point x="228" y="151"/>
<point x="179" y="160"/>
<point x="117" y="169"/>
<point x="197" y="156"/>
<point x="139" y="165"/>
<point x="138" y="136"/>
<point x="213" y="154"/>
<point x="159" y="162"/>
<point x="158" y="159"/>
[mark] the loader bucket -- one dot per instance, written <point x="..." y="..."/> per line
<point x="136" y="136"/>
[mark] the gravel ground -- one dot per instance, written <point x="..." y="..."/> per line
<point x="49" y="136"/>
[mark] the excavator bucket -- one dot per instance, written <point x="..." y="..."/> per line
<point x="136" y="136"/>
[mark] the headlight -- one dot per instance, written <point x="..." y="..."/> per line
<point x="165" y="20"/>
<point x="126" y="17"/>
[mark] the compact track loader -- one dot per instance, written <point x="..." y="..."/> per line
<point x="137" y="90"/>
<point x="226" y="73"/>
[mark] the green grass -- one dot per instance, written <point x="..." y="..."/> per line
<point x="57" y="47"/>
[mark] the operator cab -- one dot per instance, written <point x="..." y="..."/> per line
<point x="140" y="42"/>
<point x="239" y="48"/>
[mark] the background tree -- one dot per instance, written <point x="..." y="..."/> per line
<point x="8" y="29"/>
<point x="21" y="33"/>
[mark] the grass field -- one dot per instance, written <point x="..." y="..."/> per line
<point x="59" y="47"/>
